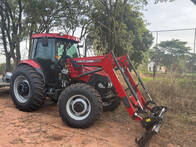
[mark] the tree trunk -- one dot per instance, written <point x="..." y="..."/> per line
<point x="30" y="44"/>
<point x="18" y="55"/>
<point x="8" y="63"/>
<point x="7" y="54"/>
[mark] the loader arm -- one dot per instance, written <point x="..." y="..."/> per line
<point x="136" y="105"/>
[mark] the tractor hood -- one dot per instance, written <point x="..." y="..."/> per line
<point x="82" y="70"/>
<point x="86" y="74"/>
<point x="101" y="73"/>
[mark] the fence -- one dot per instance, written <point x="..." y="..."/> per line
<point x="185" y="66"/>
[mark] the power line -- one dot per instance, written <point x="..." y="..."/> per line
<point x="186" y="29"/>
<point x="172" y="30"/>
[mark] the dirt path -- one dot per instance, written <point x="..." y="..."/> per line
<point x="45" y="128"/>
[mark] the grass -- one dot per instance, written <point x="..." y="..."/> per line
<point x="178" y="93"/>
<point x="180" y="98"/>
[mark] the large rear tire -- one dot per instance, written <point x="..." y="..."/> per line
<point x="27" y="88"/>
<point x="79" y="105"/>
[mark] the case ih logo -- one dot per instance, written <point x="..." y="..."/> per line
<point x="87" y="61"/>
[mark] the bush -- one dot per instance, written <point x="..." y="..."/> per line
<point x="179" y="98"/>
<point x="3" y="66"/>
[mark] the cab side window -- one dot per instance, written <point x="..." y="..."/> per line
<point x="45" y="52"/>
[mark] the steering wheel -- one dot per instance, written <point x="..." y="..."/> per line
<point x="63" y="60"/>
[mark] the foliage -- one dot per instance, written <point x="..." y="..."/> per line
<point x="110" y="24"/>
<point x="11" y="29"/>
<point x="191" y="62"/>
<point x="45" y="15"/>
<point x="118" y="26"/>
<point x="194" y="1"/>
<point x="3" y="68"/>
<point x="168" y="53"/>
<point x="22" y="18"/>
<point x="157" y="1"/>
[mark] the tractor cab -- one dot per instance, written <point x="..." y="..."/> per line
<point x="48" y="50"/>
<point x="51" y="46"/>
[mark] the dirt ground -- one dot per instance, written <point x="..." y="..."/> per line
<point x="45" y="128"/>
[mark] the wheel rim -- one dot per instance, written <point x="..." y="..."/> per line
<point x="78" y="107"/>
<point x="21" y="89"/>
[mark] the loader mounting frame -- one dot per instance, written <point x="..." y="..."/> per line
<point x="138" y="108"/>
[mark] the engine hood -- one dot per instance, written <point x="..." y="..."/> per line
<point x="101" y="73"/>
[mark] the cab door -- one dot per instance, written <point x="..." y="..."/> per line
<point x="44" y="55"/>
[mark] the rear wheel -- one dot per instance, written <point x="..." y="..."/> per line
<point x="27" y="88"/>
<point x="79" y="105"/>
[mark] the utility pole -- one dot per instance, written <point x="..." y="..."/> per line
<point x="194" y="41"/>
<point x="157" y="35"/>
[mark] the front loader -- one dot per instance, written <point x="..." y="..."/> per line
<point x="82" y="86"/>
<point x="138" y="108"/>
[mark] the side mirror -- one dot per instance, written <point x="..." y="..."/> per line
<point x="45" y="41"/>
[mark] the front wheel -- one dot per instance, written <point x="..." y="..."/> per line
<point x="80" y="105"/>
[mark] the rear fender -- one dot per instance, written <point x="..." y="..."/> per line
<point x="33" y="64"/>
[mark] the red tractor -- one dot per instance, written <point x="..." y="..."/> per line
<point x="82" y="86"/>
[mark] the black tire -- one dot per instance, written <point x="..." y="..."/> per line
<point x="35" y="98"/>
<point x="77" y="92"/>
<point x="111" y="104"/>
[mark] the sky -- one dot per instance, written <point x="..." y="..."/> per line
<point x="179" y="14"/>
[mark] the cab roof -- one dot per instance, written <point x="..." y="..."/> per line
<point x="56" y="35"/>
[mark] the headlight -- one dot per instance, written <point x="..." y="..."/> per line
<point x="109" y="85"/>
<point x="100" y="85"/>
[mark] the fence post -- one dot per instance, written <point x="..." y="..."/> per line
<point x="194" y="41"/>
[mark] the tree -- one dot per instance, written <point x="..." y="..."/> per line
<point x="194" y="1"/>
<point x="11" y="28"/>
<point x="170" y="53"/>
<point x="45" y="15"/>
<point x="118" y="26"/>
<point x="157" y="1"/>
<point x="5" y="50"/>
<point x="191" y="62"/>
<point x="110" y="24"/>
<point x="22" y="18"/>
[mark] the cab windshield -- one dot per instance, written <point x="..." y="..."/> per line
<point x="70" y="47"/>
<point x="73" y="51"/>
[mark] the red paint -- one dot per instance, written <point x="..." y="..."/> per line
<point x="30" y="62"/>
<point x="55" y="35"/>
<point x="108" y="64"/>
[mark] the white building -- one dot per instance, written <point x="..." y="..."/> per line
<point x="159" y="67"/>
